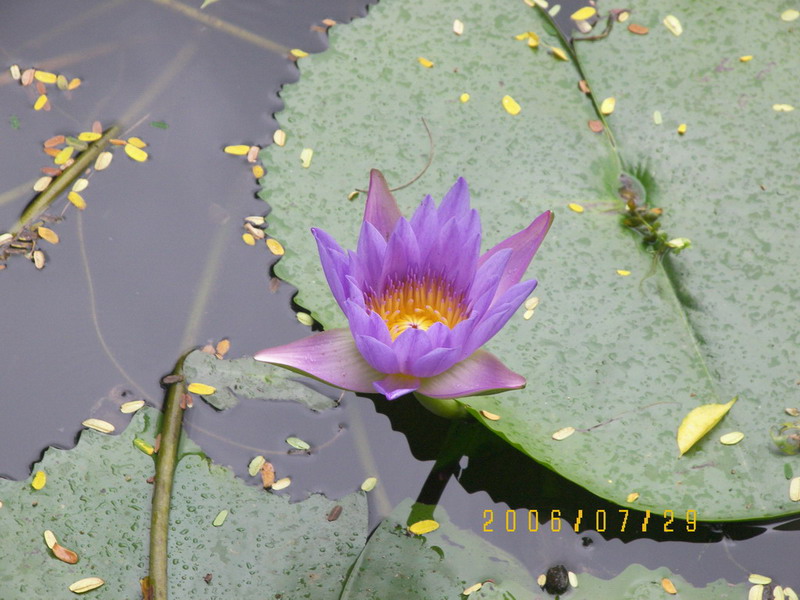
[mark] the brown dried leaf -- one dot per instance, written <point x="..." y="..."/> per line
<point x="64" y="554"/>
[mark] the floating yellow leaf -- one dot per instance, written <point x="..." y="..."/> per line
<point x="103" y="160"/>
<point x="138" y="142"/>
<point x="201" y="389"/>
<point x="40" y="102"/>
<point x="39" y="480"/>
<point x="623" y="272"/>
<point x="668" y="586"/>
<point x="369" y="484"/>
<point x="47" y="234"/>
<point x="608" y="105"/>
<point x="131" y="407"/>
<point x="699" y="422"/>
<point x="490" y="415"/>
<point x="425" y="62"/>
<point x="77" y="200"/>
<point x="237" y="150"/>
<point x="575" y="207"/>
<point x="135" y="153"/>
<point x="458" y="27"/>
<point x="511" y="105"/>
<point x="86" y="585"/>
<point x="745" y="58"/>
<point x="275" y="247"/>
<point x="143" y="446"/>
<point x="563" y="433"/>
<point x="757" y="579"/>
<point x="559" y="53"/>
<point x="99" y="425"/>
<point x="297" y="53"/>
<point x="45" y="76"/>
<point x="790" y="15"/>
<point x="279" y="137"/>
<point x="782" y="107"/>
<point x="423" y="527"/>
<point x="464" y="97"/>
<point x="64" y="155"/>
<point x="258" y="171"/>
<point x="587" y="12"/>
<point x="633" y="497"/>
<point x="248" y="239"/>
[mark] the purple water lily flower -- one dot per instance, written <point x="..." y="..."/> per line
<point x="421" y="301"/>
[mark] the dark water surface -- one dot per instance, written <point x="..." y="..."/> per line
<point x="156" y="264"/>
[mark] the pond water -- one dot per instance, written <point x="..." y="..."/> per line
<point x="156" y="264"/>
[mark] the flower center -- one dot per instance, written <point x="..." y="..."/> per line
<point x="417" y="302"/>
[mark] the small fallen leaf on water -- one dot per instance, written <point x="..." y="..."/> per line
<point x="64" y="554"/>
<point x="255" y="465"/>
<point x="423" y="527"/>
<point x="473" y="588"/>
<point x="267" y="474"/>
<point x="39" y="480"/>
<point x="369" y="484"/>
<point x="47" y="234"/>
<point x="563" y="433"/>
<point x="633" y="497"/>
<point x="85" y="585"/>
<point x="668" y="586"/>
<point x="297" y="443"/>
<point x="734" y="437"/>
<point x="201" y="389"/>
<point x="511" y="105"/>
<point x="587" y="12"/>
<point x="699" y="422"/>
<point x="672" y="23"/>
<point x="220" y="518"/>
<point x="757" y="579"/>
<point x="50" y="539"/>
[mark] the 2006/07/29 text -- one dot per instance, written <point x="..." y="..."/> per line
<point x="623" y="521"/>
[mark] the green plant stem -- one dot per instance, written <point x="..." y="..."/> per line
<point x="63" y="181"/>
<point x="166" y="461"/>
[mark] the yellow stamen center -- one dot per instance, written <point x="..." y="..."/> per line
<point x="417" y="303"/>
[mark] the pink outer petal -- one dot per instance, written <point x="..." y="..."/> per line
<point x="524" y="245"/>
<point x="394" y="386"/>
<point x="381" y="210"/>
<point x="330" y="356"/>
<point x="481" y="373"/>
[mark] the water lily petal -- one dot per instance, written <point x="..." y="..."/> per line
<point x="368" y="260"/>
<point x="455" y="202"/>
<point x="487" y="278"/>
<point x="366" y="322"/>
<point x="435" y="362"/>
<point x="396" y="385"/>
<point x="410" y="346"/>
<point x="524" y="245"/>
<point x="481" y="373"/>
<point x="330" y="356"/>
<point x="379" y="356"/>
<point x="402" y="253"/>
<point x="381" y="210"/>
<point x="335" y="263"/>
<point x="498" y="315"/>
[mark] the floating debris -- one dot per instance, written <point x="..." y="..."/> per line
<point x="734" y="437"/>
<point x="746" y="58"/>
<point x="99" y="425"/>
<point x="220" y="518"/>
<point x="672" y="23"/>
<point x="145" y="447"/>
<point x="587" y="12"/>
<point x="511" y="105"/>
<point x="464" y="98"/>
<point x="559" y="53"/>
<point x="790" y="15"/>
<point x="282" y="484"/>
<point x="489" y="415"/>
<point x="275" y="247"/>
<point x="267" y="475"/>
<point x="425" y="62"/>
<point x="638" y="29"/>
<point x="305" y="157"/>
<point x="297" y="443"/>
<point x="756" y="579"/>
<point x="369" y="484"/>
<point x="201" y="389"/>
<point x="782" y="107"/>
<point x="254" y="468"/>
<point x="86" y="585"/>
<point x="305" y="319"/>
<point x="699" y="422"/>
<point x="458" y="27"/>
<point x="623" y="272"/>
<point x="657" y="118"/>
<point x="423" y="527"/>
<point x="668" y="586"/>
<point x="279" y="137"/>
<point x="297" y="53"/>
<point x="76" y="200"/>
<point x="563" y="433"/>
<point x="596" y="126"/>
<point x="248" y="239"/>
<point x="135" y="153"/>
<point x="632" y="497"/>
<point x="575" y="207"/>
<point x="682" y="129"/>
<point x="237" y="150"/>
<point x="39" y="480"/>
<point x="607" y="106"/>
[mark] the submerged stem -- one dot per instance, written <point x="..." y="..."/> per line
<point x="166" y="462"/>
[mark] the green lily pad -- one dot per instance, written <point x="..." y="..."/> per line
<point x="97" y="503"/>
<point x="620" y="358"/>
<point x="247" y="378"/>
